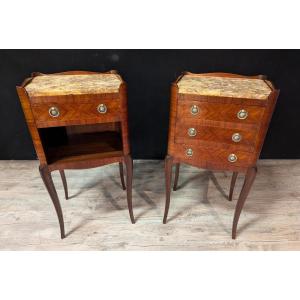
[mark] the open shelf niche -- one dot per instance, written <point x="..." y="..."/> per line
<point x="81" y="142"/>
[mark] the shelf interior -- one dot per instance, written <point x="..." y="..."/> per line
<point x="80" y="143"/>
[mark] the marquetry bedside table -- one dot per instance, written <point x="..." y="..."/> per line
<point x="77" y="120"/>
<point x="218" y="121"/>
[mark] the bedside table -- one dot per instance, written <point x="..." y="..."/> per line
<point x="218" y="121"/>
<point x="77" y="120"/>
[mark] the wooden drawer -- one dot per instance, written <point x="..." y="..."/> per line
<point x="219" y="112"/>
<point x="75" y="113"/>
<point x="195" y="134"/>
<point x="218" y="156"/>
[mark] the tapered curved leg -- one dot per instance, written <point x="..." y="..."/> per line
<point x="128" y="163"/>
<point x="176" y="176"/>
<point x="64" y="181"/>
<point x="122" y="175"/>
<point x="249" y="179"/>
<point x="47" y="179"/>
<point x="232" y="184"/>
<point x="168" y="176"/>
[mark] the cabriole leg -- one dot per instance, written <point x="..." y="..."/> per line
<point x="64" y="181"/>
<point x="175" y="186"/>
<point x="122" y="175"/>
<point x="168" y="178"/>
<point x="128" y="163"/>
<point x="249" y="179"/>
<point x="47" y="179"/>
<point x="232" y="184"/>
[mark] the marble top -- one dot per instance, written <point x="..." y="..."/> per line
<point x="224" y="87"/>
<point x="54" y="85"/>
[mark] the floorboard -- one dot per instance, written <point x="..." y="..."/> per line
<point x="200" y="216"/>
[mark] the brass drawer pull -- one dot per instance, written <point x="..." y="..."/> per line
<point x="192" y="132"/>
<point x="236" y="137"/>
<point x="53" y="112"/>
<point x="189" y="152"/>
<point x="194" y="110"/>
<point x="102" y="109"/>
<point x="232" y="158"/>
<point x="242" y="114"/>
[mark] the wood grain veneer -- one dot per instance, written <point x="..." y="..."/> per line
<point x="219" y="112"/>
<point x="219" y="97"/>
<point x="79" y="136"/>
<point x="213" y="136"/>
<point x="76" y="113"/>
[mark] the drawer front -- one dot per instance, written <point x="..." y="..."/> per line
<point x="226" y="158"/>
<point x="207" y="135"/>
<point x="238" y="113"/>
<point x="60" y="114"/>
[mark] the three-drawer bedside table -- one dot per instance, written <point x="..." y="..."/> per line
<point x="77" y="120"/>
<point x="218" y="121"/>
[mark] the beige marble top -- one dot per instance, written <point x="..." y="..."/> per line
<point x="54" y="85"/>
<point x="224" y="87"/>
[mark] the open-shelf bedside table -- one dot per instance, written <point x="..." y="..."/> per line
<point x="77" y="120"/>
<point x="218" y="121"/>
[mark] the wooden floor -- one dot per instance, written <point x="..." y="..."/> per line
<point x="200" y="216"/>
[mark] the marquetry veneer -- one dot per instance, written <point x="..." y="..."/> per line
<point x="218" y="121"/>
<point x="77" y="120"/>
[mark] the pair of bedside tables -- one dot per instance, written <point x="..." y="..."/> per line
<point x="79" y="120"/>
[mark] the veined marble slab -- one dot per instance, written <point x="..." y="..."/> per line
<point x="53" y="85"/>
<point x="224" y="87"/>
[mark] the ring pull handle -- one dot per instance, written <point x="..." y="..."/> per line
<point x="236" y="137"/>
<point x="194" y="109"/>
<point x="232" y="158"/>
<point x="53" y="112"/>
<point x="102" y="109"/>
<point x="242" y="114"/>
<point x="189" y="152"/>
<point x="192" y="132"/>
